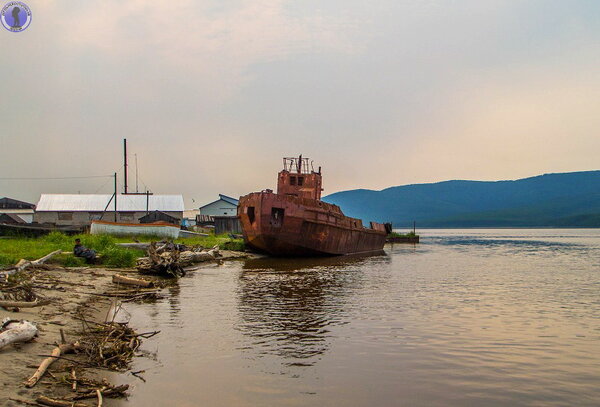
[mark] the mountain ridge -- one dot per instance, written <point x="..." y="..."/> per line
<point x="544" y="200"/>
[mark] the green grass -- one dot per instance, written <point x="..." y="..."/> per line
<point x="409" y="234"/>
<point x="223" y="241"/>
<point x="14" y="249"/>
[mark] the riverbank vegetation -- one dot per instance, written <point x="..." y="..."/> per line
<point x="410" y="234"/>
<point x="12" y="249"/>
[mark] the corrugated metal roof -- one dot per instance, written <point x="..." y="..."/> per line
<point x="14" y="204"/>
<point x="229" y="199"/>
<point x="97" y="203"/>
<point x="224" y="198"/>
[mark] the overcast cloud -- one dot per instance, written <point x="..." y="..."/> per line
<point x="211" y="94"/>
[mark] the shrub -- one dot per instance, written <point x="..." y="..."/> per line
<point x="7" y="259"/>
<point x="235" y="245"/>
<point x="72" y="261"/>
<point x="120" y="257"/>
<point x="101" y="242"/>
<point x="409" y="234"/>
<point x="57" y="238"/>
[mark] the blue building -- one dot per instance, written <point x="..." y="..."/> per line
<point x="224" y="206"/>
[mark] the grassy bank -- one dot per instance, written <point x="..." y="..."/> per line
<point x="14" y="249"/>
<point x="223" y="241"/>
<point x="112" y="255"/>
<point x="410" y="234"/>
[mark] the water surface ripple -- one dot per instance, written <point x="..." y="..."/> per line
<point x="468" y="317"/>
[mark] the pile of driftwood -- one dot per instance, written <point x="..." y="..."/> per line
<point x="81" y="388"/>
<point x="104" y="345"/>
<point x="163" y="259"/>
<point x="16" y="289"/>
<point x="15" y="296"/>
<point x="169" y="259"/>
<point x="112" y="345"/>
<point x="25" y="264"/>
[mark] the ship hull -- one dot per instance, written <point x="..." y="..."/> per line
<point x="290" y="226"/>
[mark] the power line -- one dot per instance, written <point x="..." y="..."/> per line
<point x="103" y="185"/>
<point x="108" y="180"/>
<point x="47" y="178"/>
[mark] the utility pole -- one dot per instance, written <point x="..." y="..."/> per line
<point x="136" y="174"/>
<point x="116" y="196"/>
<point x="125" y="163"/>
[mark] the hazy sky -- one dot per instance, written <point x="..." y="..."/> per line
<point x="211" y="94"/>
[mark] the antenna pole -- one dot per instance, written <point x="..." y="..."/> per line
<point x="136" y="175"/>
<point x="125" y="163"/>
<point x="115" y="196"/>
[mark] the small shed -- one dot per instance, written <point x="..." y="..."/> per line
<point x="9" y="203"/>
<point x="23" y="210"/>
<point x="158" y="216"/>
<point x="224" y="206"/>
<point x="227" y="224"/>
<point x="11" y="219"/>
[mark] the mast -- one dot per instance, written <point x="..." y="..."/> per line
<point x="116" y="196"/>
<point x="136" y="175"/>
<point x="125" y="164"/>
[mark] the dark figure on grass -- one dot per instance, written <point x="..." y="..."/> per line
<point x="16" y="19"/>
<point x="81" y="251"/>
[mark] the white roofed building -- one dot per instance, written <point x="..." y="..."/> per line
<point x="81" y="209"/>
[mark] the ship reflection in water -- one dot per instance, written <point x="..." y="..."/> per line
<point x="288" y="306"/>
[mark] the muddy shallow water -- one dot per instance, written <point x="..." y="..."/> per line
<point x="467" y="317"/>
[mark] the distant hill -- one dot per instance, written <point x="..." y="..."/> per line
<point x="562" y="200"/>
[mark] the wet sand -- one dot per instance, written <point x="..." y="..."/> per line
<point x="71" y="293"/>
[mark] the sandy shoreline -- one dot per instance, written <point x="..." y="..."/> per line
<point x="71" y="292"/>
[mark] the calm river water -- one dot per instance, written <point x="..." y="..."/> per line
<point x="499" y="317"/>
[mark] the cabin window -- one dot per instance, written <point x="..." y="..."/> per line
<point x="277" y="216"/>
<point x="65" y="216"/>
<point x="251" y="215"/>
<point x="300" y="181"/>
<point x="292" y="180"/>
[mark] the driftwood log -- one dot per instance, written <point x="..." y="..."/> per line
<point x="162" y="260"/>
<point x="169" y="260"/>
<point x="23" y="264"/>
<point x="56" y="353"/>
<point x="105" y="391"/>
<point x="21" y="304"/>
<point x="139" y="246"/>
<point x="188" y="258"/>
<point x="47" y="401"/>
<point x="119" y="279"/>
<point x="16" y="331"/>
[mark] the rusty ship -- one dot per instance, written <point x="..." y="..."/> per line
<point x="294" y="222"/>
